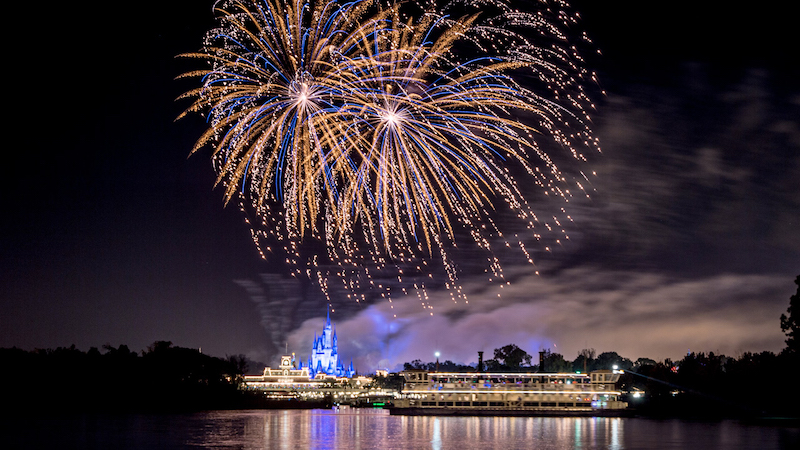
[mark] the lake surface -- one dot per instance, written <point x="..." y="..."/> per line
<point x="355" y="429"/>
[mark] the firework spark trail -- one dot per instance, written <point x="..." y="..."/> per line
<point x="364" y="127"/>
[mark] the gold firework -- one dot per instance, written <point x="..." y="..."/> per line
<point x="380" y="132"/>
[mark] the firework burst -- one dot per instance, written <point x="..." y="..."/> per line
<point x="382" y="131"/>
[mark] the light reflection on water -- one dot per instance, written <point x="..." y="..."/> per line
<point x="367" y="429"/>
<point x="357" y="429"/>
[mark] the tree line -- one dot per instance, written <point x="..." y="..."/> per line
<point x="162" y="377"/>
<point x="511" y="358"/>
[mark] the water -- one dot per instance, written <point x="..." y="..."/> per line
<point x="375" y="429"/>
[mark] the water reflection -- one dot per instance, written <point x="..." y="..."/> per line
<point x="436" y="442"/>
<point x="365" y="429"/>
<point x="369" y="429"/>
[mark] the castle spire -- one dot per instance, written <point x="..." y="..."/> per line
<point x="325" y="353"/>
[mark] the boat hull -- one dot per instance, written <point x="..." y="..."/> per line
<point x="412" y="411"/>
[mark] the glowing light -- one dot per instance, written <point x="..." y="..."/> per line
<point x="363" y="127"/>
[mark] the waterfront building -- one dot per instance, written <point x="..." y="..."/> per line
<point x="284" y="382"/>
<point x="288" y="382"/>
<point x="286" y="371"/>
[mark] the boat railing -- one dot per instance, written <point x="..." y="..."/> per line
<point x="488" y="387"/>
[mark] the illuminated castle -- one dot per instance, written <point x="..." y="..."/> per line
<point x="325" y="355"/>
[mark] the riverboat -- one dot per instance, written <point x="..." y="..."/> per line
<point x="509" y="394"/>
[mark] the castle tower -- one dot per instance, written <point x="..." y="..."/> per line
<point x="325" y="354"/>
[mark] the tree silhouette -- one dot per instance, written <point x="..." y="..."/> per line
<point x="791" y="324"/>
<point x="607" y="360"/>
<point x="553" y="362"/>
<point x="585" y="361"/>
<point x="511" y="357"/>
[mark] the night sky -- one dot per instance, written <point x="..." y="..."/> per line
<point x="111" y="234"/>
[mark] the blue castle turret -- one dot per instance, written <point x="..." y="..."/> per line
<point x="325" y="355"/>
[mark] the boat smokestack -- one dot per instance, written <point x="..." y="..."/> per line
<point x="480" y="362"/>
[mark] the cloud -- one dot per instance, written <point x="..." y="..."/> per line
<point x="698" y="175"/>
<point x="636" y="315"/>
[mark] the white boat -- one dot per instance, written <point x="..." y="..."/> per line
<point x="488" y="393"/>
